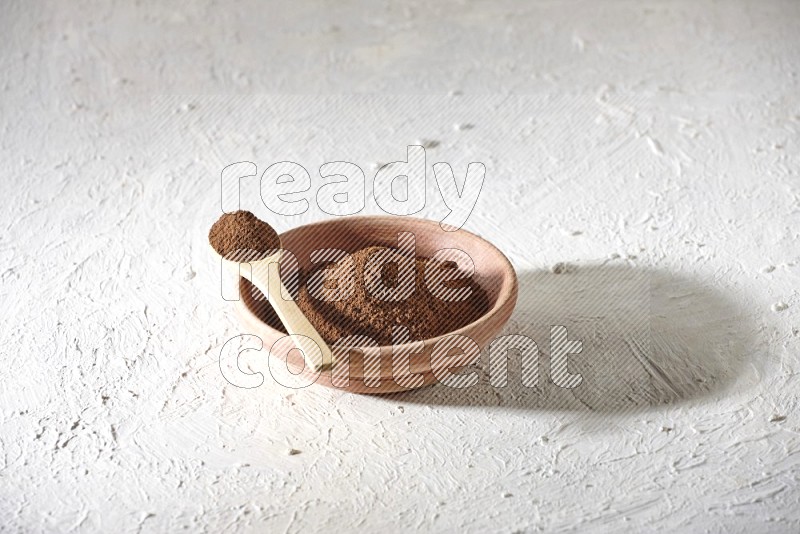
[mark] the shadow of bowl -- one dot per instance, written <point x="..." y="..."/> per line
<point x="647" y="337"/>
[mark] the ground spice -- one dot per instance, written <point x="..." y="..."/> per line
<point x="243" y="231"/>
<point x="363" y="312"/>
<point x="424" y="314"/>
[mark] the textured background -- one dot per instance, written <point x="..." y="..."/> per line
<point x="652" y="147"/>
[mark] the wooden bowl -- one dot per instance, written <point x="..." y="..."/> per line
<point x="493" y="272"/>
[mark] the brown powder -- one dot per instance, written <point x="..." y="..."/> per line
<point x="243" y="231"/>
<point x="425" y="314"/>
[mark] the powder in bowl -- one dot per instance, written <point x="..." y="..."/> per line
<point x="422" y="312"/>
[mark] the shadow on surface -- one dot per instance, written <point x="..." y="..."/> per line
<point x="649" y="338"/>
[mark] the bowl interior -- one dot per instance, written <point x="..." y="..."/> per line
<point x="493" y="272"/>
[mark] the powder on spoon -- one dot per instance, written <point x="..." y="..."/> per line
<point x="243" y="231"/>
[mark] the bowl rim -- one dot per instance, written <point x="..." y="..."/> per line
<point x="508" y="291"/>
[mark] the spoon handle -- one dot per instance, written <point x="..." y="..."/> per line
<point x="316" y="352"/>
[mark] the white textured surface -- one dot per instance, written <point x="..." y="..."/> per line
<point x="656" y="142"/>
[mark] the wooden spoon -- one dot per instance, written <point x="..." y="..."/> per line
<point x="240" y="238"/>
